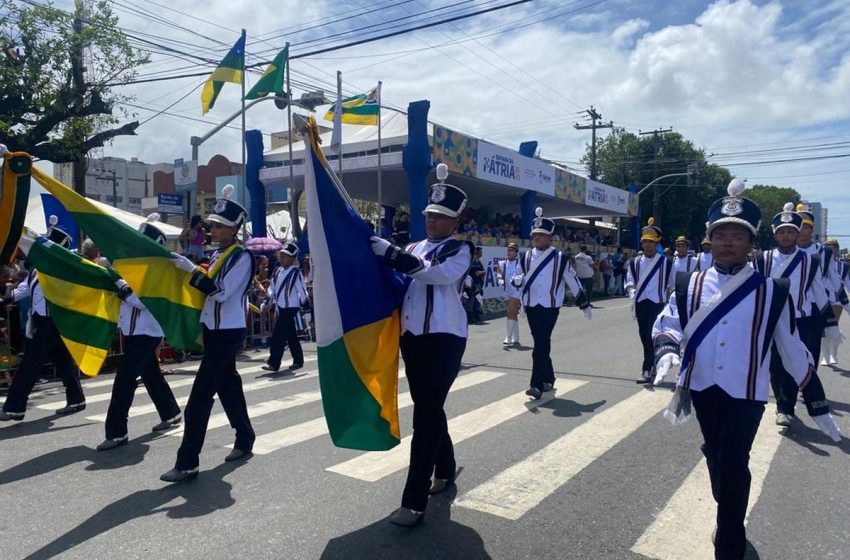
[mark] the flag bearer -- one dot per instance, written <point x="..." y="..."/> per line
<point x="723" y="321"/>
<point x="434" y="332"/>
<point x="142" y="336"/>
<point x="287" y="293"/>
<point x="225" y="284"/>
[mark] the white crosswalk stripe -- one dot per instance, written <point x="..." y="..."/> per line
<point x="682" y="530"/>
<point x="278" y="439"/>
<point x="515" y="491"/>
<point x="375" y="466"/>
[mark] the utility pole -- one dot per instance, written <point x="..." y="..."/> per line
<point x="656" y="143"/>
<point x="79" y="87"/>
<point x="594" y="117"/>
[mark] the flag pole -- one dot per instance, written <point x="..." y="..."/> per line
<point x="291" y="192"/>
<point x="339" y="110"/>
<point x="244" y="166"/>
<point x="381" y="225"/>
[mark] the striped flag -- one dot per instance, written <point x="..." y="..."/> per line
<point x="142" y="262"/>
<point x="273" y="79"/>
<point x="13" y="202"/>
<point x="360" y="109"/>
<point x="357" y="320"/>
<point x="82" y="300"/>
<point x="230" y="69"/>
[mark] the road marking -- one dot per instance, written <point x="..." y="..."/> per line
<point x="246" y="388"/>
<point x="518" y="489"/>
<point x="267" y="407"/>
<point x="273" y="441"/>
<point x="374" y="466"/>
<point x="682" y="530"/>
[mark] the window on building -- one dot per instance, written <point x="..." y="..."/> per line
<point x="93" y="196"/>
<point x="135" y="200"/>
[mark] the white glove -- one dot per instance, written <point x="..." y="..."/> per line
<point x="664" y="364"/>
<point x="379" y="245"/>
<point x="500" y="282"/>
<point x="25" y="244"/>
<point x="517" y="281"/>
<point x="834" y="334"/>
<point x="588" y="312"/>
<point x="181" y="262"/>
<point x="631" y="293"/>
<point x="827" y="425"/>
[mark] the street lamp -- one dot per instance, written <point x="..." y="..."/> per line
<point x="692" y="174"/>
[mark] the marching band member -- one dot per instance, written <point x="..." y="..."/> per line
<point x="682" y="260"/>
<point x="142" y="336"/>
<point x="811" y="306"/>
<point x="704" y="258"/>
<point x="225" y="284"/>
<point x="45" y="344"/>
<point x="722" y="321"/>
<point x="509" y="268"/>
<point x="837" y="297"/>
<point x="544" y="274"/>
<point x="433" y="340"/>
<point x="287" y="293"/>
<point x="649" y="280"/>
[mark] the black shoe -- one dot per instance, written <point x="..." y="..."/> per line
<point x="548" y="387"/>
<point x="72" y="408"/>
<point x="534" y="393"/>
<point x="645" y="377"/>
<point x="7" y="416"/>
<point x="237" y="454"/>
<point x="267" y="367"/>
<point x="406" y="517"/>
<point x="440" y="485"/>
<point x="108" y="444"/>
<point x="293" y="367"/>
<point x="178" y="477"/>
<point x="168" y="424"/>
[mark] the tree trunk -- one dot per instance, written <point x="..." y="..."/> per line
<point x="79" y="177"/>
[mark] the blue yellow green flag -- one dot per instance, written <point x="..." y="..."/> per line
<point x="230" y="69"/>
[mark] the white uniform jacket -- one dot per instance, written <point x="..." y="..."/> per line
<point x="287" y="288"/>
<point x="432" y="301"/>
<point x="546" y="275"/>
<point x="655" y="287"/>
<point x="807" y="290"/>
<point x="135" y="319"/>
<point x="30" y="288"/>
<point x="735" y="352"/>
<point x="227" y="303"/>
<point x="688" y="263"/>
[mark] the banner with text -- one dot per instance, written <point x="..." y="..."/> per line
<point x="501" y="165"/>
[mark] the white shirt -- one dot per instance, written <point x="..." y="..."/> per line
<point x="688" y="263"/>
<point x="705" y="261"/>
<point x="508" y="269"/>
<point x="287" y="288"/>
<point x="658" y="285"/>
<point x="134" y="319"/>
<point x="804" y="298"/>
<point x="546" y="289"/>
<point x="432" y="301"/>
<point x="30" y="288"/>
<point x="226" y="307"/>
<point x="584" y="265"/>
<point x="830" y="273"/>
<point x="732" y="354"/>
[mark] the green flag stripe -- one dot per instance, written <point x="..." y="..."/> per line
<point x="65" y="265"/>
<point x="83" y="329"/>
<point x="183" y="321"/>
<point x="115" y="247"/>
<point x="371" y="109"/>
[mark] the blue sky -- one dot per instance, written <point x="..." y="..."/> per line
<point x="739" y="77"/>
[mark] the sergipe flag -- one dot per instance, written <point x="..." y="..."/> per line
<point x="356" y="314"/>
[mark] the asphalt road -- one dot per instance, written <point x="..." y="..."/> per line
<point x="593" y="472"/>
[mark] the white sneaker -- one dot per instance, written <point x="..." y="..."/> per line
<point x="506" y="342"/>
<point x="823" y="360"/>
<point x="832" y="361"/>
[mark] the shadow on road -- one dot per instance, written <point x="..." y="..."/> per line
<point x="206" y="495"/>
<point x="12" y="430"/>
<point x="436" y="537"/>
<point x="814" y="440"/>
<point x="565" y="408"/>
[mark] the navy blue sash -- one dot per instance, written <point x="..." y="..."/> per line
<point x="537" y="270"/>
<point x="794" y="263"/>
<point x="655" y="269"/>
<point x="718" y="313"/>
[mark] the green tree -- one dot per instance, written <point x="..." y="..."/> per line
<point x="771" y="200"/>
<point x="56" y="78"/>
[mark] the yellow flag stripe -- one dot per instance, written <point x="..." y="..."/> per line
<point x="80" y="298"/>
<point x="88" y="358"/>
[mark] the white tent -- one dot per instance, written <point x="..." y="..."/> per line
<point x="36" y="222"/>
<point x="278" y="225"/>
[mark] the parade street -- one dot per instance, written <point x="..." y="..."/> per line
<point x="592" y="471"/>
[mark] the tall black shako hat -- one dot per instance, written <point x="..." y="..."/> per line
<point x="734" y="209"/>
<point x="787" y="218"/>
<point x="541" y="224"/>
<point x="444" y="198"/>
<point x="226" y="211"/>
<point x="289" y="248"/>
<point x="149" y="228"/>
<point x="57" y="235"/>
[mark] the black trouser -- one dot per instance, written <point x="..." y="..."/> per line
<point x="785" y="389"/>
<point x="45" y="344"/>
<point x="541" y="321"/>
<point x="139" y="359"/>
<point x="587" y="286"/>
<point x="646" y="311"/>
<point x="216" y="375"/>
<point x="432" y="362"/>
<point x="284" y="334"/>
<point x="728" y="426"/>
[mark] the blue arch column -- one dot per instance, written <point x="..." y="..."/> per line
<point x="253" y="163"/>
<point x="526" y="208"/>
<point x="416" y="159"/>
